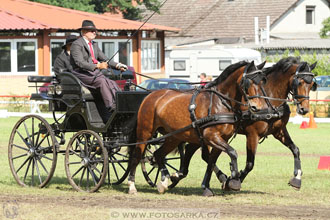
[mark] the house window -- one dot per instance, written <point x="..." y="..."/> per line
<point x="55" y="50"/>
<point x="310" y="14"/>
<point x="179" y="65"/>
<point x="150" y="55"/>
<point x="223" y="64"/>
<point x="5" y="58"/>
<point x="117" y="50"/>
<point x="18" y="56"/>
<point x="26" y="57"/>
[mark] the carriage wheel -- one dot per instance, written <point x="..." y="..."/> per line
<point x="32" y="151"/>
<point x="150" y="169"/>
<point x="86" y="161"/>
<point x="119" y="161"/>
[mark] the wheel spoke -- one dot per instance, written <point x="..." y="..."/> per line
<point x="27" y="170"/>
<point x="20" y="147"/>
<point x="72" y="151"/>
<point x="87" y="180"/>
<point x="27" y="133"/>
<point x="115" y="170"/>
<point x="37" y="169"/>
<point x="151" y="170"/>
<point x="93" y="175"/>
<point x="23" y="139"/>
<point x="22" y="165"/>
<point x="22" y="155"/>
<point x="172" y="167"/>
<point x="172" y="158"/>
<point x="118" y="163"/>
<point x="41" y="155"/>
<point x="32" y="173"/>
<point x="77" y="171"/>
<point x="81" y="177"/>
<point x="42" y="140"/>
<point x="33" y="130"/>
<point x="158" y="171"/>
<point x="71" y="163"/>
<point x="43" y="166"/>
<point x="43" y="148"/>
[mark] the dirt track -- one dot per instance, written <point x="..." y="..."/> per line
<point x="223" y="210"/>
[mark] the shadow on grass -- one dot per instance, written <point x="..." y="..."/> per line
<point x="184" y="191"/>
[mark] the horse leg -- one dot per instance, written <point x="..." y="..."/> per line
<point x="251" y="149"/>
<point x="169" y="145"/>
<point x="135" y="160"/>
<point x="233" y="182"/>
<point x="212" y="159"/>
<point x="190" y="149"/>
<point x="284" y="137"/>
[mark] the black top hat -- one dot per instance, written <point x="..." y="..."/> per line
<point x="87" y="24"/>
<point x="69" y="40"/>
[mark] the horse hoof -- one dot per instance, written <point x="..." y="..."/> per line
<point x="132" y="192"/>
<point x="295" y="183"/>
<point x="162" y="187"/>
<point x="232" y="184"/>
<point x="175" y="177"/>
<point x="208" y="192"/>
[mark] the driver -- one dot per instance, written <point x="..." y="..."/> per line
<point x="88" y="60"/>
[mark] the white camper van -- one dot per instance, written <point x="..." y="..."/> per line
<point x="188" y="62"/>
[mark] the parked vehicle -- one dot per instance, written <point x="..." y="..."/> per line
<point x="155" y="84"/>
<point x="188" y="62"/>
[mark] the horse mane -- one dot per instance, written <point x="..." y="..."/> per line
<point x="226" y="73"/>
<point x="283" y="65"/>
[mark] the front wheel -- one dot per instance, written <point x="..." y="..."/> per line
<point x="86" y="161"/>
<point x="32" y="151"/>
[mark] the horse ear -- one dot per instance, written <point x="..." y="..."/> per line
<point x="313" y="66"/>
<point x="250" y="66"/>
<point x="261" y="65"/>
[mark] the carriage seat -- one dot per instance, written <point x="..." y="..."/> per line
<point x="41" y="79"/>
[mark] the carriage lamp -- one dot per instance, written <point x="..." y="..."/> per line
<point x="58" y="89"/>
<point x="51" y="90"/>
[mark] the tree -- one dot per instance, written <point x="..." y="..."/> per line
<point x="82" y="5"/>
<point x="325" y="31"/>
<point x="131" y="9"/>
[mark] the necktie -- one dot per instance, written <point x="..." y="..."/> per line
<point x="92" y="53"/>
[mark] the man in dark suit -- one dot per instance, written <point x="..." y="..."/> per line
<point x="88" y="60"/>
<point x="62" y="61"/>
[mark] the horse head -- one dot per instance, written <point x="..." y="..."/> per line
<point x="301" y="82"/>
<point x="249" y="86"/>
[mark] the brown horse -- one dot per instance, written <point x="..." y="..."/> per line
<point x="166" y="111"/>
<point x="287" y="76"/>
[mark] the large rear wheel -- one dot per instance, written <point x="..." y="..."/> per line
<point x="32" y="151"/>
<point x="86" y="161"/>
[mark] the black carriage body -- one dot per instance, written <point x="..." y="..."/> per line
<point x="83" y="106"/>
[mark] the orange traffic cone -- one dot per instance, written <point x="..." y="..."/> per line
<point x="311" y="123"/>
<point x="304" y="125"/>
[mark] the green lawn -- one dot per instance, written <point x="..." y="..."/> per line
<point x="265" y="185"/>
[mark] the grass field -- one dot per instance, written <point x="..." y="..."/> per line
<point x="265" y="193"/>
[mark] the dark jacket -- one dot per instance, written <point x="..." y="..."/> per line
<point x="62" y="63"/>
<point x="81" y="58"/>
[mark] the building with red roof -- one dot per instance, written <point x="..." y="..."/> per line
<point x="32" y="34"/>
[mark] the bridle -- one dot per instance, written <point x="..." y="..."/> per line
<point x="308" y="77"/>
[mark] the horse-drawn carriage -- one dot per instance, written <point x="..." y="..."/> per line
<point x="236" y="102"/>
<point x="98" y="149"/>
